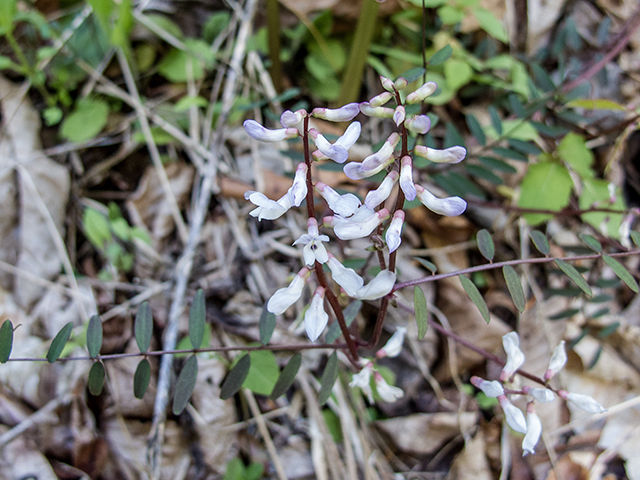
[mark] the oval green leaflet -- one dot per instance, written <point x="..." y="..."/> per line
<point x="185" y="384"/>
<point x="267" y="325"/>
<point x="6" y="340"/>
<point x="235" y="378"/>
<point x="141" y="378"/>
<point x="621" y="272"/>
<point x="143" y="327"/>
<point x="421" y="312"/>
<point x="475" y="296"/>
<point x="94" y="336"/>
<point x="287" y="376"/>
<point x="515" y="287"/>
<point x="573" y="274"/>
<point x="485" y="244"/>
<point x="197" y="318"/>
<point x="329" y="377"/>
<point x="58" y="343"/>
<point x="540" y="241"/>
<point x="96" y="378"/>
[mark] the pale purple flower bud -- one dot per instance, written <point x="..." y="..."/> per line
<point x="350" y="135"/>
<point x="381" y="99"/>
<point x="362" y="380"/>
<point x="421" y="93"/>
<point x="335" y="152"/>
<point x="357" y="171"/>
<point x="400" y="83"/>
<point x="378" y="287"/>
<point x="388" y="393"/>
<point x="298" y="190"/>
<point x="343" y="205"/>
<point x="512" y="414"/>
<point x="393" y="237"/>
<point x="558" y="360"/>
<point x="347" y="278"/>
<point x="515" y="357"/>
<point x="534" y="430"/>
<point x="380" y="194"/>
<point x="258" y="132"/>
<point x="267" y="208"/>
<point x="450" y="206"/>
<point x="313" y="250"/>
<point x="338" y="151"/>
<point x="393" y="347"/>
<point x="418" y="123"/>
<point x="585" y="402"/>
<point x="382" y="155"/>
<point x="349" y="229"/>
<point x="387" y="84"/>
<point x="376" y="112"/>
<point x="406" y="178"/>
<point x="490" y="389"/>
<point x="543" y="395"/>
<point x="290" y="119"/>
<point x="285" y="297"/>
<point x="399" y="115"/>
<point x="315" y="318"/>
<point x="448" y="155"/>
<point x="345" y="113"/>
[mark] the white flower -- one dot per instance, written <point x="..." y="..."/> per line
<point x="490" y="389"/>
<point x="298" y="190"/>
<point x="387" y="392"/>
<point x="290" y="119"/>
<point x="285" y="297"/>
<point x="421" y="93"/>
<point x="347" y="278"/>
<point x="376" y="112"/>
<point x="387" y="83"/>
<point x="512" y="414"/>
<point x="393" y="347"/>
<point x="315" y="318"/>
<point x="381" y="99"/>
<point x="338" y="151"/>
<point x="350" y="228"/>
<point x="543" y="395"/>
<point x="393" y="237"/>
<point x="380" y="194"/>
<point x="313" y="250"/>
<point x="362" y="380"/>
<point x="585" y="402"/>
<point x="399" y="115"/>
<point x="406" y="178"/>
<point x="345" y="113"/>
<point x="343" y="205"/>
<point x="449" y="155"/>
<point x="534" y="430"/>
<point x="515" y="357"/>
<point x="450" y="206"/>
<point x="258" y="132"/>
<point x="267" y="208"/>
<point x="558" y="360"/>
<point x="356" y="170"/>
<point x="418" y="123"/>
<point x="378" y="287"/>
<point x="382" y="155"/>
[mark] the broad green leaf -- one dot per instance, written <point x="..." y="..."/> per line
<point x="58" y="343"/>
<point x="7" y="13"/>
<point x="287" y="376"/>
<point x="94" y="336"/>
<point x="476" y="129"/>
<point x="329" y="377"/>
<point x="573" y="274"/>
<point x="86" y="121"/>
<point x="141" y="378"/>
<point x="215" y="25"/>
<point x="96" y="227"/>
<point x="515" y="287"/>
<point x="197" y="319"/>
<point x="267" y="325"/>
<point x="591" y="242"/>
<point x="349" y="316"/>
<point x="573" y="150"/>
<point x="235" y="377"/>
<point x="546" y="186"/>
<point x="263" y="372"/>
<point x="450" y="15"/>
<point x="596" y="104"/>
<point x="143" y="327"/>
<point x="539" y="239"/>
<point x="173" y="66"/>
<point x="441" y="56"/>
<point x="621" y="272"/>
<point x="96" y="378"/>
<point x="6" y="340"/>
<point x="457" y="73"/>
<point x="485" y="244"/>
<point x="422" y="314"/>
<point x="595" y="192"/>
<point x="185" y="384"/>
<point x="475" y="296"/>
<point x="186" y="102"/>
<point x="490" y="24"/>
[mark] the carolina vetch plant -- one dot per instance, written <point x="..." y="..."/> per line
<point x="381" y="209"/>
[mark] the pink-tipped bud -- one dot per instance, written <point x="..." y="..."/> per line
<point x="262" y="134"/>
<point x="345" y="113"/>
<point x="448" y="155"/>
<point x="421" y="93"/>
<point x="381" y="99"/>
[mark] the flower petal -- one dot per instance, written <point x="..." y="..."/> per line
<point x="450" y="206"/>
<point x="380" y="286"/>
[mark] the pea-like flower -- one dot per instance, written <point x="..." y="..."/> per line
<point x="267" y="208"/>
<point x="387" y="84"/>
<point x="378" y="287"/>
<point x="585" y="402"/>
<point x="258" y="132"/>
<point x="316" y="318"/>
<point x="347" y="278"/>
<point x="382" y="155"/>
<point x="393" y="347"/>
<point x="418" y="123"/>
<point x="362" y="380"/>
<point x="399" y="115"/>
<point x="490" y="389"/>
<point x="290" y="119"/>
<point x="534" y="430"/>
<point x="406" y="178"/>
<point x="285" y="297"/>
<point x="344" y="205"/>
<point x="388" y="393"/>
<point x="380" y="194"/>
<point x="351" y="228"/>
<point x="448" y="155"/>
<point x="338" y="151"/>
<point x="313" y="250"/>
<point x="298" y="190"/>
<point x="515" y="357"/>
<point x="356" y="170"/>
<point x="421" y="93"/>
<point x="393" y="237"/>
<point x="512" y="414"/>
<point x="376" y="112"/>
<point x="450" y="206"/>
<point x="558" y="360"/>
<point x="380" y="100"/>
<point x="345" y="113"/>
<point x="543" y="395"/>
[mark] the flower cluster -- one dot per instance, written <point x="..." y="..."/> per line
<point x="352" y="217"/>
<point x="531" y="426"/>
